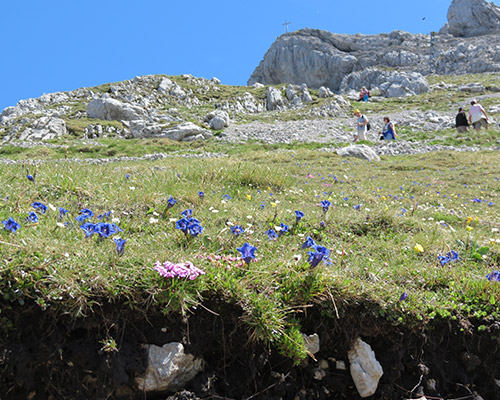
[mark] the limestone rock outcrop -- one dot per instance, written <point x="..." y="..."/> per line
<point x="389" y="83"/>
<point x="468" y="18"/>
<point x="111" y="109"/>
<point x="320" y="58"/>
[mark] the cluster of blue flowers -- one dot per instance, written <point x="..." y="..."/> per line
<point x="103" y="229"/>
<point x="450" y="256"/>
<point x="493" y="276"/>
<point x="319" y="254"/>
<point x="188" y="224"/>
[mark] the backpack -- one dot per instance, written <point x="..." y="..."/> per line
<point x="368" y="126"/>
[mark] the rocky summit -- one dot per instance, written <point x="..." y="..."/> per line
<point x="468" y="43"/>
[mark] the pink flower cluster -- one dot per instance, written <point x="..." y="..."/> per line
<point x="181" y="270"/>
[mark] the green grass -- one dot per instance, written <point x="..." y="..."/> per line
<point x="422" y="199"/>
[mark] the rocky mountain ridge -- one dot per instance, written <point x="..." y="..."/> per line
<point x="468" y="43"/>
<point x="179" y="108"/>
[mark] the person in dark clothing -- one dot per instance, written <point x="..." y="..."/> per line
<point x="461" y="122"/>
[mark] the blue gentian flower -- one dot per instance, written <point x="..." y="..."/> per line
<point x="237" y="230"/>
<point x="171" y="202"/>
<point x="247" y="252"/>
<point x="39" y="206"/>
<point x="120" y="245"/>
<point x="357" y="207"/>
<point x="84" y="214"/>
<point x="189" y="225"/>
<point x="104" y="216"/>
<point x="105" y="230"/>
<point x="319" y="253"/>
<point x="326" y="205"/>
<point x="262" y="205"/>
<point x="493" y="276"/>
<point x="308" y="243"/>
<point x="127" y="176"/>
<point x="62" y="212"/>
<point x="182" y="224"/>
<point x="195" y="228"/>
<point x="403" y="297"/>
<point x="11" y="225"/>
<point x="284" y="229"/>
<point x="32" y="217"/>
<point x="298" y="216"/>
<point x="490" y="203"/>
<point x="226" y="197"/>
<point x="30" y="178"/>
<point x="271" y="234"/>
<point x="187" y="213"/>
<point x="450" y="256"/>
<point x="201" y="195"/>
<point x="89" y="228"/>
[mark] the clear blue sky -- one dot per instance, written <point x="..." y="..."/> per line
<point x="60" y="45"/>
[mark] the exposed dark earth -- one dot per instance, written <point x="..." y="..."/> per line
<point x="44" y="356"/>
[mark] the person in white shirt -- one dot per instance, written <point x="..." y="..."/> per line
<point x="477" y="116"/>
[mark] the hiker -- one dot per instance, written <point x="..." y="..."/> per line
<point x="388" y="132"/>
<point x="477" y="116"/>
<point x="361" y="125"/>
<point x="364" y="94"/>
<point x="461" y="122"/>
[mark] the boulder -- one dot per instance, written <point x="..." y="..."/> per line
<point x="361" y="151"/>
<point x="165" y="85"/>
<point x="217" y="123"/>
<point x="324" y="92"/>
<point x="274" y="100"/>
<point x="114" y="110"/>
<point x="186" y="131"/>
<point x="169" y="368"/>
<point x="365" y="369"/>
<point x="468" y="18"/>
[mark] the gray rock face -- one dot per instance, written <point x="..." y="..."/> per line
<point x="169" y="368"/>
<point x="365" y="369"/>
<point x="114" y="110"/>
<point x="473" y="18"/>
<point x="361" y="151"/>
<point x="319" y="58"/>
<point x="389" y="83"/>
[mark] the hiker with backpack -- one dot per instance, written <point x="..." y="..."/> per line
<point x="362" y="125"/>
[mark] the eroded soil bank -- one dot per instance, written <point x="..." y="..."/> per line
<point x="44" y="357"/>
